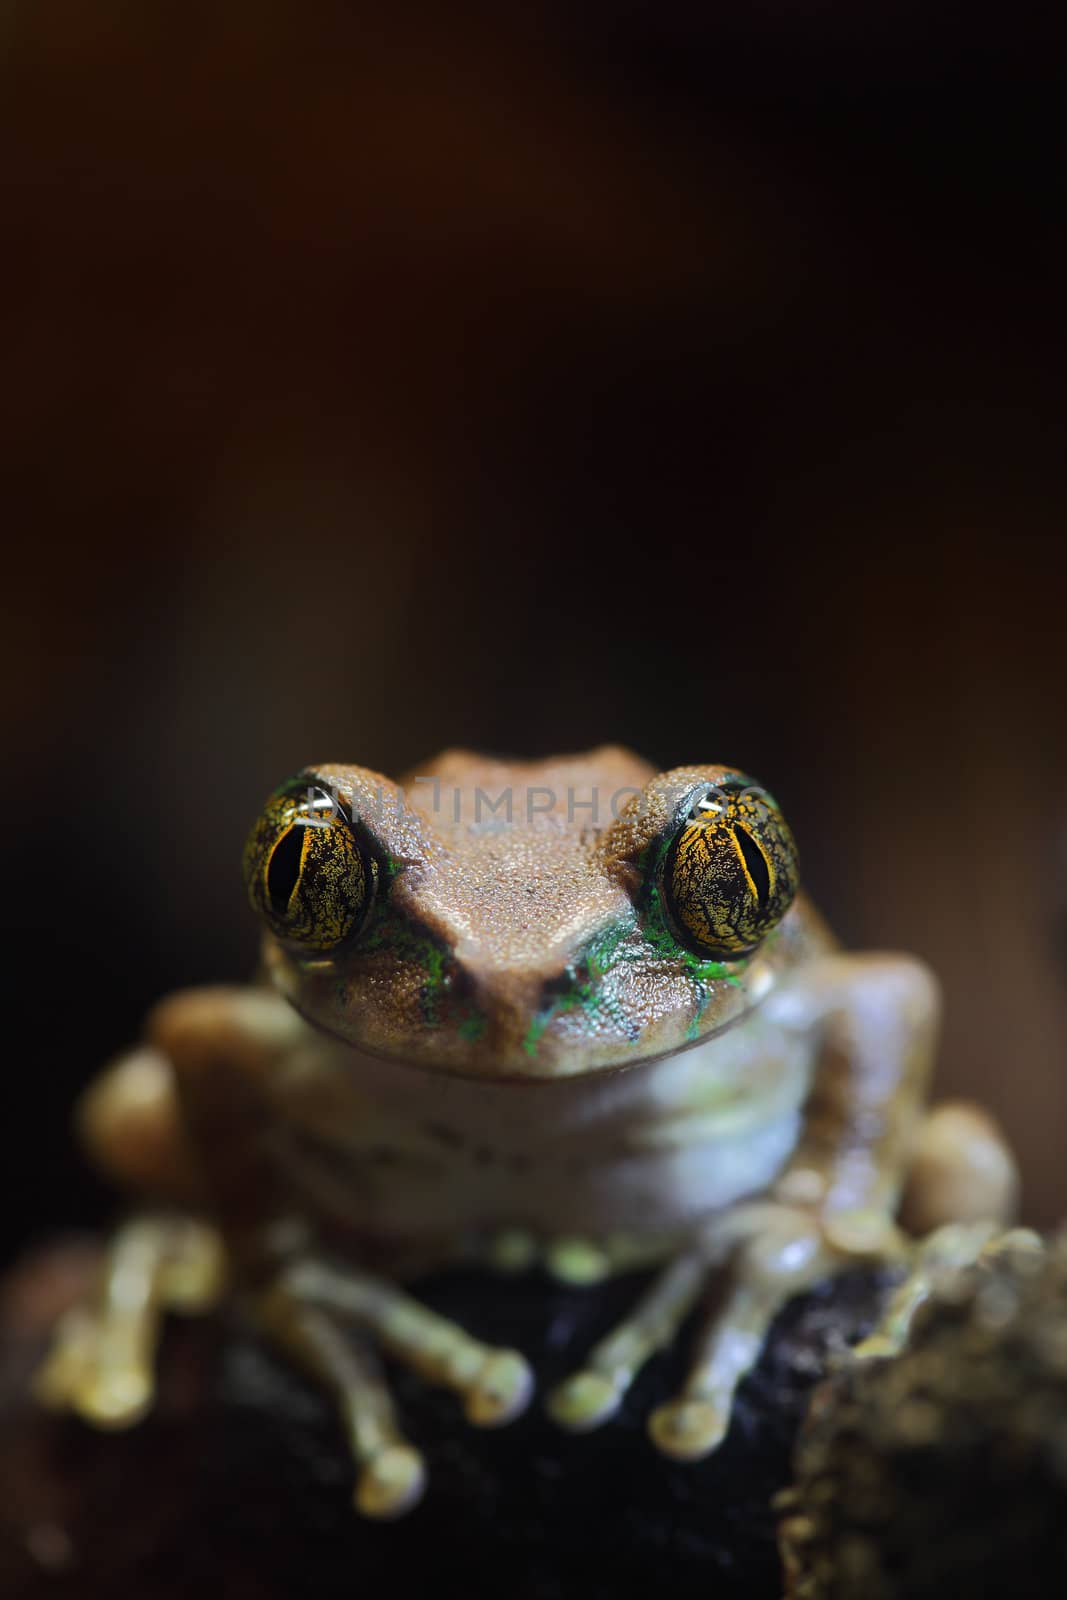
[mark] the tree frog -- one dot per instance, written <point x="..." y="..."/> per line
<point x="572" y="1012"/>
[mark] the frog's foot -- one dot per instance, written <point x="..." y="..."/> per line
<point x="102" y="1361"/>
<point x="775" y="1252"/>
<point x="936" y="1261"/>
<point x="331" y="1322"/>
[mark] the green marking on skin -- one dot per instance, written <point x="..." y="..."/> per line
<point x="585" y="992"/>
<point x="594" y="961"/>
<point x="616" y="944"/>
<point x="701" y="969"/>
<point x="435" y="965"/>
<point x="422" y="951"/>
<point x="533" y="1033"/>
<point x="582" y="997"/>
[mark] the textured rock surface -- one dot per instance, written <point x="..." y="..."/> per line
<point x="238" y="1484"/>
<point x="944" y="1471"/>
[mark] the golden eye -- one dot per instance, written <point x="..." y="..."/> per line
<point x="730" y="872"/>
<point x="305" y="872"/>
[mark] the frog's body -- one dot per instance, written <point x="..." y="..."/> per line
<point x="570" y="1010"/>
<point x="647" y="1150"/>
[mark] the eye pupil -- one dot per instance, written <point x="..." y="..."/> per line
<point x="283" y="871"/>
<point x="756" y="865"/>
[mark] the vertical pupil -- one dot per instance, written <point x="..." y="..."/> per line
<point x="757" y="867"/>
<point x="283" y="873"/>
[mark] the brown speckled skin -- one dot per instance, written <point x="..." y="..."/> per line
<point x="515" y="907"/>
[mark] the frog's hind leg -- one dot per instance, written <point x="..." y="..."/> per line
<point x="130" y="1125"/>
<point x="960" y="1169"/>
<point x="102" y="1360"/>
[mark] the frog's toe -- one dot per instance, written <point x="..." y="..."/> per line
<point x="688" y="1429"/>
<point x="336" y="1322"/>
<point x="115" y="1399"/>
<point x="594" y="1394"/>
<point x="390" y="1483"/>
<point x="101" y="1364"/>
<point x="68" y="1363"/>
<point x="493" y="1384"/>
<point x="77" y="1376"/>
<point x="784" y="1258"/>
<point x="584" y="1400"/>
<point x="500" y="1391"/>
<point x="935" y="1261"/>
<point x="577" y="1261"/>
<point x="773" y="1253"/>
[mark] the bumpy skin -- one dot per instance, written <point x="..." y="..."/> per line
<point x="514" y="1056"/>
<point x="515" y="949"/>
<point x="932" y="1461"/>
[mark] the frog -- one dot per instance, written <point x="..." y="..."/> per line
<point x="574" y="1014"/>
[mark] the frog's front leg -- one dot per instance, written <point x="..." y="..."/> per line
<point x="101" y="1364"/>
<point x="771" y="1252"/>
<point x="868" y="1145"/>
<point x="872" y="1022"/>
<point x="198" y="1096"/>
<point x="333" y="1319"/>
<point x="102" y="1361"/>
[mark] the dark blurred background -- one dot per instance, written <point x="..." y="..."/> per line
<point x="525" y="377"/>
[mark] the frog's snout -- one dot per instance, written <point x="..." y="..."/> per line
<point x="531" y="1016"/>
<point x="510" y="998"/>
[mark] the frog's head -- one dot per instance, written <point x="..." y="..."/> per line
<point x="524" y="920"/>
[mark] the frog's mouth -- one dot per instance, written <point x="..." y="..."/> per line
<point x="504" y="1025"/>
<point x="553" y="1067"/>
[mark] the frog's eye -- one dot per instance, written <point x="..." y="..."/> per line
<point x="305" y="871"/>
<point x="730" y="871"/>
